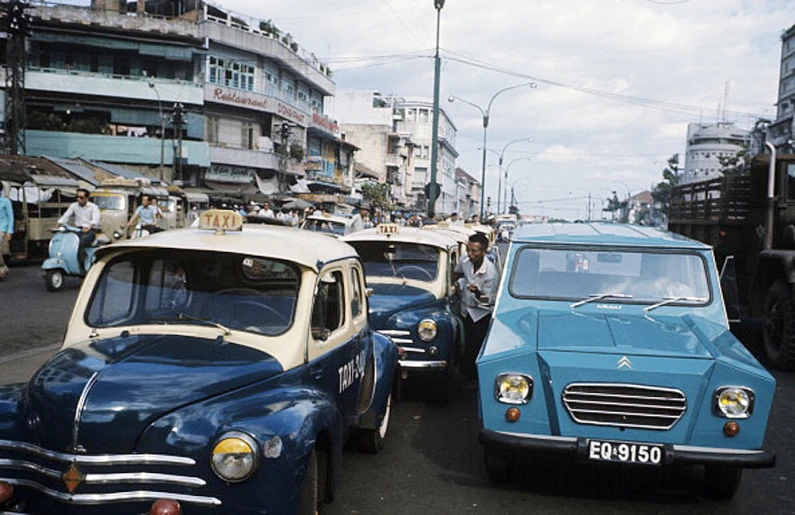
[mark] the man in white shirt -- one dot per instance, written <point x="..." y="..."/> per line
<point x="86" y="217"/>
<point x="478" y="293"/>
<point x="266" y="210"/>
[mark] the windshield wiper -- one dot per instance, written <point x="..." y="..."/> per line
<point x="599" y="296"/>
<point x="184" y="316"/>
<point x="392" y="265"/>
<point x="669" y="300"/>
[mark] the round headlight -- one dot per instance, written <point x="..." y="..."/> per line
<point x="235" y="457"/>
<point x="513" y="388"/>
<point x="427" y="330"/>
<point x="734" y="402"/>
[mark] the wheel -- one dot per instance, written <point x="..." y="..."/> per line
<point x="779" y="326"/>
<point x="372" y="440"/>
<point x="722" y="482"/>
<point x="500" y="464"/>
<point x="53" y="279"/>
<point x="308" y="503"/>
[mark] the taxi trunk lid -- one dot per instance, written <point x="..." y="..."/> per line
<point x="98" y="397"/>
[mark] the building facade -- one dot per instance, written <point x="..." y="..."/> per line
<point x="782" y="132"/>
<point x="469" y="194"/>
<point x="706" y="145"/>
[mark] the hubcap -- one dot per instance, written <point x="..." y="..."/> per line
<point x="57" y="280"/>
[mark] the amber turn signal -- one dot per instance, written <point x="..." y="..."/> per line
<point x="512" y="414"/>
<point x="731" y="429"/>
<point x="6" y="492"/>
<point x="165" y="507"/>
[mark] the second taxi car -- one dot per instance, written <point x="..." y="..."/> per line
<point x="202" y="367"/>
<point x="413" y="300"/>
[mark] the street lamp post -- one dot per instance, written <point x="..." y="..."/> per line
<point x="507" y="169"/>
<point x="162" y="127"/>
<point x="499" y="176"/>
<point x="433" y="189"/>
<point x="485" y="113"/>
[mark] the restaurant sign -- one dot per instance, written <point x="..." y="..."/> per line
<point x="256" y="101"/>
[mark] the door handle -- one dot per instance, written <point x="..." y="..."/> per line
<point x="316" y="372"/>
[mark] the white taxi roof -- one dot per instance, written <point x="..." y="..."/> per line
<point x="405" y="235"/>
<point x="338" y="219"/>
<point x="306" y="248"/>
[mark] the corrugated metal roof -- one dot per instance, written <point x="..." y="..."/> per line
<point x="79" y="169"/>
<point x="54" y="180"/>
<point x="118" y="170"/>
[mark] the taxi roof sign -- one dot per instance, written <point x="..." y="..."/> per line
<point x="388" y="229"/>
<point x="221" y="220"/>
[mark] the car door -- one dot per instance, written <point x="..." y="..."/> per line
<point x="335" y="348"/>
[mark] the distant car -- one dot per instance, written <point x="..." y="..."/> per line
<point x="221" y="367"/>
<point x="333" y="225"/>
<point x="610" y="344"/>
<point x="413" y="300"/>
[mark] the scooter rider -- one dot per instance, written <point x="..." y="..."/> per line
<point x="86" y="216"/>
<point x="147" y="212"/>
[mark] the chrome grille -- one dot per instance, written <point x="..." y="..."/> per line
<point x="624" y="405"/>
<point x="400" y="337"/>
<point x="30" y="466"/>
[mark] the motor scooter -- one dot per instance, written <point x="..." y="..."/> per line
<point x="64" y="258"/>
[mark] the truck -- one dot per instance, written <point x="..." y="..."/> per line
<point x="749" y="220"/>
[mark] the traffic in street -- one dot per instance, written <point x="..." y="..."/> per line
<point x="432" y="461"/>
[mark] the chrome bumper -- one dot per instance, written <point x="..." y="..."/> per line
<point x="423" y="365"/>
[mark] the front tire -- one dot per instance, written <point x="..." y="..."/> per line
<point x="309" y="502"/>
<point x="500" y="464"/>
<point x="722" y="482"/>
<point x="779" y="326"/>
<point x="371" y="441"/>
<point x="53" y="279"/>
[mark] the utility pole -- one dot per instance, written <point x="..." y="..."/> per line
<point x="433" y="187"/>
<point x="178" y="121"/>
<point x="18" y="28"/>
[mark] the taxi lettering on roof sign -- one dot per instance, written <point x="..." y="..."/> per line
<point x="221" y="220"/>
<point x="388" y="229"/>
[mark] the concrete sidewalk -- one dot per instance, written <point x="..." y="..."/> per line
<point x="18" y="367"/>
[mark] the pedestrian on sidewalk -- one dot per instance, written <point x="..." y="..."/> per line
<point x="479" y="283"/>
<point x="6" y="230"/>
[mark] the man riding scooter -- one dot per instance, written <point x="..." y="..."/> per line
<point x="86" y="217"/>
<point x="147" y="213"/>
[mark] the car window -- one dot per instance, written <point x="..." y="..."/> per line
<point x="328" y="311"/>
<point x="575" y="274"/>
<point x="397" y="259"/>
<point x="252" y="294"/>
<point x="357" y="302"/>
<point x="326" y="226"/>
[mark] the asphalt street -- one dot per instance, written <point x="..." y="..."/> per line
<point x="432" y="461"/>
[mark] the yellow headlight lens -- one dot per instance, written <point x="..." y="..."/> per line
<point x="234" y="458"/>
<point x="734" y="402"/>
<point x="513" y="388"/>
<point x="427" y="330"/>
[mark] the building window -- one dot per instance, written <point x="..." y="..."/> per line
<point x="411" y="115"/>
<point x="233" y="74"/>
<point x="423" y="116"/>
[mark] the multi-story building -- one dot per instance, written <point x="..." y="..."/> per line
<point x="367" y="119"/>
<point x="469" y="198"/>
<point x="182" y="90"/>
<point x="707" y="143"/>
<point x="782" y="132"/>
<point x="415" y="116"/>
<point x="100" y="83"/>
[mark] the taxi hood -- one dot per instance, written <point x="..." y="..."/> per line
<point x="619" y="334"/>
<point x="388" y="299"/>
<point x="101" y="395"/>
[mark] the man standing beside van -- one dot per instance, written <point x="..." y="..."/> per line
<point x="6" y="230"/>
<point x="147" y="213"/>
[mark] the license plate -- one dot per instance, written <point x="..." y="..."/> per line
<point x="623" y="452"/>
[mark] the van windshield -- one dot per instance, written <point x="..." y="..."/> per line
<point x="579" y="273"/>
<point x="113" y="202"/>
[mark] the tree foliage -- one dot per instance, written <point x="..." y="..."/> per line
<point x="377" y="194"/>
<point x="661" y="193"/>
<point x="617" y="208"/>
<point x="736" y="164"/>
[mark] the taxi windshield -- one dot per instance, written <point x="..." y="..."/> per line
<point x="628" y="276"/>
<point x="112" y="202"/>
<point x="167" y="205"/>
<point x="327" y="226"/>
<point x="246" y="293"/>
<point x="395" y="259"/>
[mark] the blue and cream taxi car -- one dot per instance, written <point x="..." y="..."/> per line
<point x="219" y="368"/>
<point x="610" y="343"/>
<point x="413" y="301"/>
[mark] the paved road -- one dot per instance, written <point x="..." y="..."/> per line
<point x="432" y="462"/>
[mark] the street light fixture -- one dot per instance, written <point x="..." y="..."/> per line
<point x="162" y="127"/>
<point x="486" y="112"/>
